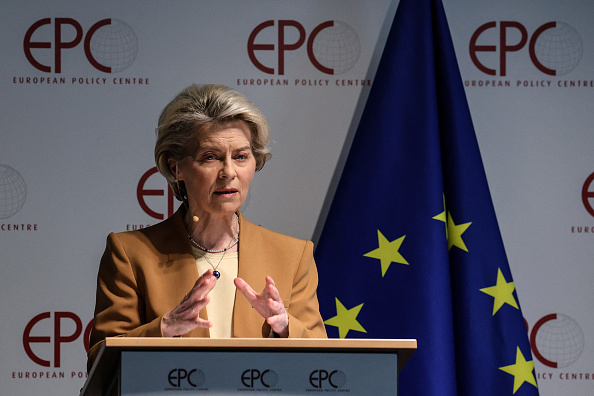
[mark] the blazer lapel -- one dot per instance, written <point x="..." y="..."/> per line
<point x="247" y="322"/>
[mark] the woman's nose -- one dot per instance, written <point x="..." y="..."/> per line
<point x="227" y="169"/>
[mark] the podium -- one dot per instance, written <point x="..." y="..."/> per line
<point x="174" y="366"/>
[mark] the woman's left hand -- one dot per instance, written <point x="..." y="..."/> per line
<point x="268" y="303"/>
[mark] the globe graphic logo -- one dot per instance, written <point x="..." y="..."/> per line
<point x="198" y="378"/>
<point x="271" y="378"/>
<point x="559" y="48"/>
<point x="339" y="379"/>
<point x="115" y="45"/>
<point x="560" y="340"/>
<point x="337" y="47"/>
<point x="13" y="191"/>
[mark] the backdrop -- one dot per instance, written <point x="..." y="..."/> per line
<point x="82" y="85"/>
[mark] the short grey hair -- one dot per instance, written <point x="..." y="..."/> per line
<point x="203" y="106"/>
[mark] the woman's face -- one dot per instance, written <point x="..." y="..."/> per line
<point x="218" y="177"/>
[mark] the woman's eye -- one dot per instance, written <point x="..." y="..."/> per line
<point x="242" y="156"/>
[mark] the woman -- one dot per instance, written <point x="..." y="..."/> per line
<point x="211" y="140"/>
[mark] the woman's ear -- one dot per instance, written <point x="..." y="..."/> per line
<point x="174" y="169"/>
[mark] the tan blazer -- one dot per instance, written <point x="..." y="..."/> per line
<point x="144" y="274"/>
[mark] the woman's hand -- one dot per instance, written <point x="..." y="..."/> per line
<point x="268" y="303"/>
<point x="185" y="317"/>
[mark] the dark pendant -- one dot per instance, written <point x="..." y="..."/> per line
<point x="217" y="274"/>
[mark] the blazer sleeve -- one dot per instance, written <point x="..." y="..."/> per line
<point x="305" y="320"/>
<point x="119" y="308"/>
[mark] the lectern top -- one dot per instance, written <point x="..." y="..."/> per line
<point x="264" y="343"/>
<point x="104" y="368"/>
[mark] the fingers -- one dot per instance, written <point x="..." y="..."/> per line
<point x="253" y="298"/>
<point x="278" y="318"/>
<point x="270" y="291"/>
<point x="203" y="285"/>
<point x="280" y="321"/>
<point x="276" y="306"/>
<point x="244" y="288"/>
<point x="186" y="316"/>
<point x="198" y="297"/>
<point x="194" y="312"/>
<point x="278" y="314"/>
<point x="268" y="303"/>
<point x="273" y="292"/>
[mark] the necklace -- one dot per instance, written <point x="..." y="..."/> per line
<point x="199" y="246"/>
<point x="216" y="273"/>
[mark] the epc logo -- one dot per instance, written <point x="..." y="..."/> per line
<point x="333" y="47"/>
<point x="179" y="377"/>
<point x="251" y="378"/>
<point x="142" y="192"/>
<point x="319" y="378"/>
<point x="555" y="48"/>
<point x="557" y="340"/>
<point x="57" y="336"/>
<point x="587" y="194"/>
<point x="110" y="45"/>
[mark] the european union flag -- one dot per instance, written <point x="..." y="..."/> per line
<point x="411" y="246"/>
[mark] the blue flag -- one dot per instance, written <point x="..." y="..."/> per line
<point x="411" y="247"/>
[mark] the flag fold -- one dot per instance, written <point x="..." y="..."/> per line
<point x="411" y="247"/>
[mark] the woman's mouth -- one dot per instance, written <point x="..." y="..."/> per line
<point x="228" y="192"/>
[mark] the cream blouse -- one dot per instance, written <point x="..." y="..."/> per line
<point x="222" y="296"/>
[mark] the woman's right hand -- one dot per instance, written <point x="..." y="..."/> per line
<point x="185" y="317"/>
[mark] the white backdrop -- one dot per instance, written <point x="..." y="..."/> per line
<point x="76" y="142"/>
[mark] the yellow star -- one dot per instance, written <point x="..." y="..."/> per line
<point x="522" y="371"/>
<point x="455" y="233"/>
<point x="502" y="291"/>
<point x="440" y="217"/>
<point x="387" y="252"/>
<point x="346" y="319"/>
